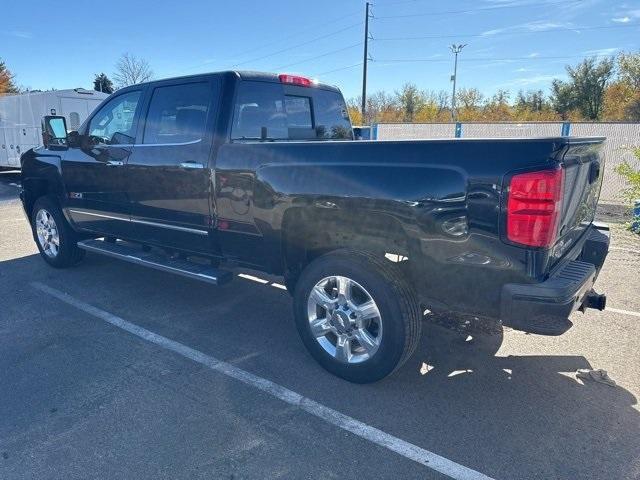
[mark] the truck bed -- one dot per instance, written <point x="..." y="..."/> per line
<point x="444" y="196"/>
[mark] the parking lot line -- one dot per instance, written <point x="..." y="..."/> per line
<point x="626" y="250"/>
<point x="408" y="450"/>
<point x="625" y="312"/>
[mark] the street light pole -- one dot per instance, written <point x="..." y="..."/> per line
<point x="456" y="49"/>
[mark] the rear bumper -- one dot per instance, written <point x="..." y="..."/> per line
<point x="544" y="307"/>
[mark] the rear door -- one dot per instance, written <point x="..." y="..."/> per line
<point x="168" y="172"/>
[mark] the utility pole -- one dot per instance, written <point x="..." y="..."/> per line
<point x="364" y="64"/>
<point x="456" y="49"/>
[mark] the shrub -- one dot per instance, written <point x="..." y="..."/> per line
<point x="632" y="175"/>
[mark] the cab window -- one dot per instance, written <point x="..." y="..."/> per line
<point x="114" y="122"/>
<point x="332" y="118"/>
<point x="259" y="112"/>
<point x="268" y="112"/>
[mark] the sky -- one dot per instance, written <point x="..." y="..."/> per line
<point x="511" y="44"/>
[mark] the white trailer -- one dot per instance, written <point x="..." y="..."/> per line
<point x="20" y="117"/>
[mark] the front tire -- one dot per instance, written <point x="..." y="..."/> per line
<point x="356" y="315"/>
<point x="53" y="235"/>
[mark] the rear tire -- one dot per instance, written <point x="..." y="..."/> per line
<point x="370" y="329"/>
<point x="56" y="240"/>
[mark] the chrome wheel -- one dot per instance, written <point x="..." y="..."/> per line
<point x="47" y="233"/>
<point x="344" y="319"/>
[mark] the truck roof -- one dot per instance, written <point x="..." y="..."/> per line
<point x="245" y="75"/>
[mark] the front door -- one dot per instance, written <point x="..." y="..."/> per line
<point x="168" y="172"/>
<point x="94" y="167"/>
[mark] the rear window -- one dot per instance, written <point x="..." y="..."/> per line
<point x="269" y="111"/>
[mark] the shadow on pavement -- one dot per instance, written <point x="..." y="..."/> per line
<point x="527" y="409"/>
<point x="9" y="181"/>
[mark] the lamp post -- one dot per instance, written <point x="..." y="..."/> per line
<point x="455" y="49"/>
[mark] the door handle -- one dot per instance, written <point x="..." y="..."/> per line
<point x="191" y="165"/>
<point x="115" y="163"/>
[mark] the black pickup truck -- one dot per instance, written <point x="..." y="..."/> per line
<point x="202" y="174"/>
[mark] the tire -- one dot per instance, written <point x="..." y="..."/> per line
<point x="391" y="335"/>
<point x="48" y="226"/>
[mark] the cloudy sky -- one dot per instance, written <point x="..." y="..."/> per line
<point x="511" y="44"/>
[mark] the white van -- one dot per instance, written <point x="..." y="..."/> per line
<point x="20" y="117"/>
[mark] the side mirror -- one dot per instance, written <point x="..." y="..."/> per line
<point x="54" y="131"/>
<point x="73" y="139"/>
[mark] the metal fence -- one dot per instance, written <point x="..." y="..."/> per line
<point x="620" y="136"/>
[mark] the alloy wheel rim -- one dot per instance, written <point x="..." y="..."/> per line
<point x="47" y="232"/>
<point x="344" y="319"/>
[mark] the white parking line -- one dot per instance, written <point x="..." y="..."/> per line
<point x="628" y="250"/>
<point x="625" y="312"/>
<point x="408" y="450"/>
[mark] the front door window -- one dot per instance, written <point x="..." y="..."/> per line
<point x="115" y="121"/>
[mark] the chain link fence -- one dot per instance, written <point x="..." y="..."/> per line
<point x="620" y="136"/>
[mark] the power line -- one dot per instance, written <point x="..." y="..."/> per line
<point x="280" y="40"/>
<point x="299" y="44"/>
<point x="486" y="35"/>
<point x="399" y="3"/>
<point x="304" y="31"/>
<point x="319" y="56"/>
<point x="473" y="10"/>
<point x="338" y="69"/>
<point x="489" y="59"/>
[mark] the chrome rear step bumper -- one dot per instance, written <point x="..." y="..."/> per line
<point x="544" y="307"/>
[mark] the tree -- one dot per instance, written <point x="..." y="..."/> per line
<point x="632" y="111"/>
<point x="563" y="98"/>
<point x="617" y="98"/>
<point x="131" y="70"/>
<point x="101" y="83"/>
<point x="588" y="82"/>
<point x="469" y="104"/>
<point x="497" y="107"/>
<point x="629" y="69"/>
<point x="410" y="100"/>
<point x="6" y="80"/>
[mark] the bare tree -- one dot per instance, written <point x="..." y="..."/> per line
<point x="131" y="70"/>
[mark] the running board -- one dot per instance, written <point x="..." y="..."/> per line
<point x="151" y="259"/>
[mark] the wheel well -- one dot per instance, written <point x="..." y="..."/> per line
<point x="35" y="188"/>
<point x="309" y="233"/>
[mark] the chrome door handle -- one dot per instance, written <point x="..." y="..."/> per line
<point x="115" y="163"/>
<point x="191" y="165"/>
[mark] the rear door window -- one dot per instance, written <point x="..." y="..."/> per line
<point x="178" y="114"/>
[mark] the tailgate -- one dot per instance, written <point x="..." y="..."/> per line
<point x="583" y="166"/>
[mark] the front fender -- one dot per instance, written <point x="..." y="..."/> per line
<point x="41" y="175"/>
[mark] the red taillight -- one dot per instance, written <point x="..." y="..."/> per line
<point x="295" y="80"/>
<point x="533" y="207"/>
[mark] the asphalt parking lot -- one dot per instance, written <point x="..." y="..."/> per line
<point x="110" y="370"/>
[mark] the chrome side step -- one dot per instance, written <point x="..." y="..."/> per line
<point x="133" y="254"/>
